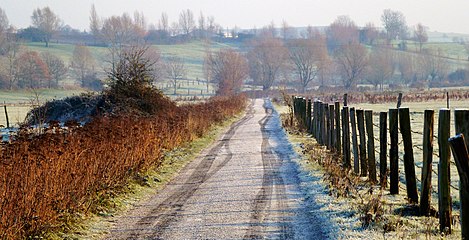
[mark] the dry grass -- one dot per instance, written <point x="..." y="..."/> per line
<point x="47" y="180"/>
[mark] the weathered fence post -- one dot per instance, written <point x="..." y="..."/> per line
<point x="425" y="193"/>
<point x="461" y="122"/>
<point x="444" y="197"/>
<point x="308" y="116"/>
<point x="6" y="115"/>
<point x="362" y="145"/>
<point x="399" y="100"/>
<point x="346" y="136"/>
<point x="459" y="149"/>
<point x="371" y="146"/>
<point x="327" y="125"/>
<point x="345" y="100"/>
<point x="353" y="123"/>
<point x="409" y="167"/>
<point x="338" y="142"/>
<point x="383" y="145"/>
<point x="331" y="127"/>
<point x="325" y="111"/>
<point x="393" y="151"/>
<point x="315" y="120"/>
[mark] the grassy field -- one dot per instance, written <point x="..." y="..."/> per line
<point x="193" y="53"/>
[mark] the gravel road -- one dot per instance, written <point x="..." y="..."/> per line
<point x="246" y="185"/>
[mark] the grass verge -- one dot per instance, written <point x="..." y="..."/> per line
<point x="360" y="209"/>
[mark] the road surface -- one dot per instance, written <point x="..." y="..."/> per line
<point x="244" y="186"/>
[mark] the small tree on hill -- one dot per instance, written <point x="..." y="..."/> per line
<point x="175" y="70"/>
<point x="229" y="69"/>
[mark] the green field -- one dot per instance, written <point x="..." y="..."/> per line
<point x="193" y="53"/>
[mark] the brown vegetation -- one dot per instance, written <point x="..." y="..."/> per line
<point x="47" y="178"/>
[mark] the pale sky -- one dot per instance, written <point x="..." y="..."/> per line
<point x="439" y="15"/>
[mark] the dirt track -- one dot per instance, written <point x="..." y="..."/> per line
<point x="245" y="186"/>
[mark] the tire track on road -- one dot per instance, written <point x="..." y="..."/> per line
<point x="166" y="213"/>
<point x="272" y="180"/>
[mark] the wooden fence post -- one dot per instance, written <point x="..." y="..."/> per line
<point x="371" y="146"/>
<point x="325" y="129"/>
<point x="444" y="196"/>
<point x="338" y="142"/>
<point x="409" y="167"/>
<point x="324" y="110"/>
<point x="393" y="151"/>
<point x="353" y="125"/>
<point x="6" y="115"/>
<point x="331" y="127"/>
<point x="346" y="136"/>
<point x="308" y="116"/>
<point x="459" y="149"/>
<point x="315" y="119"/>
<point x="362" y="145"/>
<point x="461" y="122"/>
<point x="383" y="146"/>
<point x="425" y="193"/>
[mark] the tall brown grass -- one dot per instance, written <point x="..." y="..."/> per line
<point x="46" y="178"/>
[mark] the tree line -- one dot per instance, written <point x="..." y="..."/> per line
<point x="339" y="55"/>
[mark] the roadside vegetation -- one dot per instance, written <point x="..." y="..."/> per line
<point x="52" y="175"/>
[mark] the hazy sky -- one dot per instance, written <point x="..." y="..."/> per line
<point x="438" y="15"/>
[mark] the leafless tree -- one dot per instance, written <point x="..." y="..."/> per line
<point x="229" y="69"/>
<point x="307" y="56"/>
<point x="380" y="68"/>
<point x="11" y="51"/>
<point x="4" y="25"/>
<point x="202" y="26"/>
<point x="407" y="66"/>
<point x="341" y="32"/>
<point x="32" y="71"/>
<point x="433" y="65"/>
<point x="187" y="22"/>
<point x="175" y="70"/>
<point x="287" y="31"/>
<point x="82" y="62"/>
<point x="351" y="60"/>
<point x="370" y="33"/>
<point x="47" y="21"/>
<point x="394" y="23"/>
<point x="139" y="24"/>
<point x="163" y="24"/>
<point x="420" y="34"/>
<point x="56" y="67"/>
<point x="266" y="57"/>
<point x="95" y="22"/>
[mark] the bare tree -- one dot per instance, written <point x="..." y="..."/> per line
<point x="56" y="67"/>
<point x="395" y="24"/>
<point x="120" y="32"/>
<point x="370" y="34"/>
<point x="95" y="22"/>
<point x="420" y="34"/>
<point x="32" y="71"/>
<point x="229" y="69"/>
<point x="380" y="68"/>
<point x="11" y="51"/>
<point x="47" y="21"/>
<point x="175" y="70"/>
<point x="406" y="64"/>
<point x="433" y="65"/>
<point x="187" y="22"/>
<point x="307" y="56"/>
<point x="351" y="60"/>
<point x="202" y="28"/>
<point x="4" y="25"/>
<point x="287" y="31"/>
<point x="163" y="24"/>
<point x="341" y="32"/>
<point x="266" y="58"/>
<point x="82" y="62"/>
<point x="140" y="25"/>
